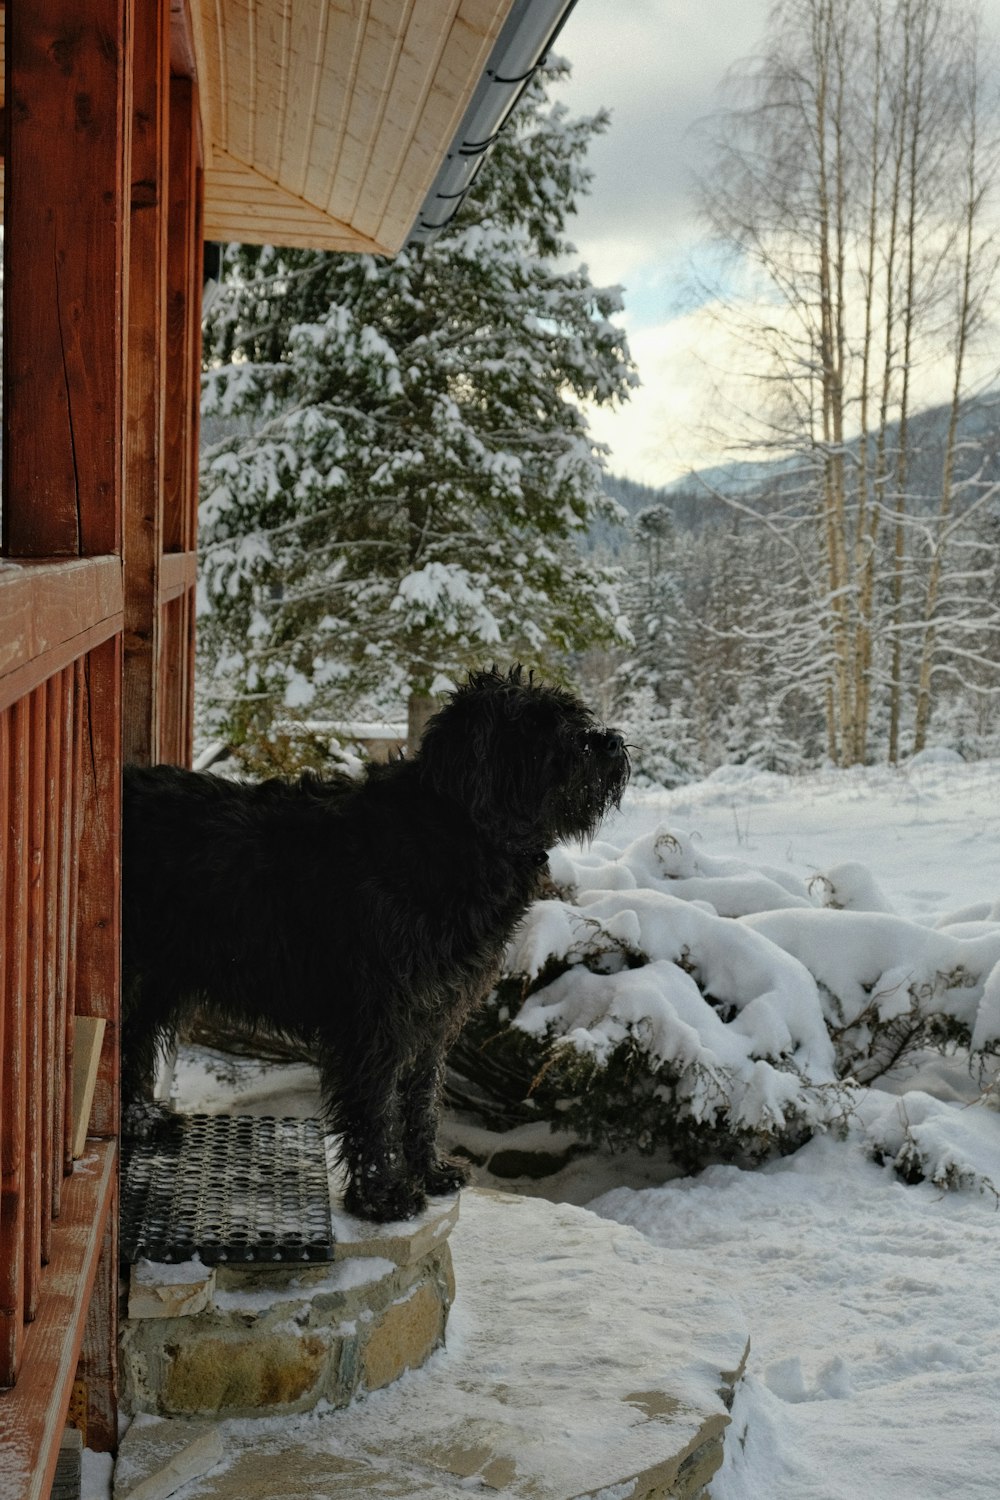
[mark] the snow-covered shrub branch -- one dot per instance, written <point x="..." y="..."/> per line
<point x="662" y="997"/>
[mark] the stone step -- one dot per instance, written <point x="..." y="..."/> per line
<point x="578" y="1364"/>
<point x="258" y="1339"/>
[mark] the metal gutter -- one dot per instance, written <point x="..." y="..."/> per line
<point x="524" y="41"/>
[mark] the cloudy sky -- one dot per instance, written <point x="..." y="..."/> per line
<point x="657" y="65"/>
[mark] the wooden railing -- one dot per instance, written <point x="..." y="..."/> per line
<point x="102" y="259"/>
<point x="60" y="668"/>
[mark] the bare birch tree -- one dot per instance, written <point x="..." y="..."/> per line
<point x="853" y="186"/>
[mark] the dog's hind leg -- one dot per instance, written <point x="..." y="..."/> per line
<point x="147" y="1027"/>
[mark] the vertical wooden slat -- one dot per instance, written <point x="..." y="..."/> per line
<point x="181" y="429"/>
<point x="34" y="1028"/>
<point x="97" y="993"/>
<point x="66" y="79"/>
<point x="14" y="1059"/>
<point x="54" y="1043"/>
<point x="73" y="925"/>
<point x="187" y="746"/>
<point x="178" y="433"/>
<point x="6" y="805"/>
<point x="99" y="895"/>
<point x="7" y="1359"/>
<point x="169" y="679"/>
<point x="147" y="377"/>
<point x="99" y="1355"/>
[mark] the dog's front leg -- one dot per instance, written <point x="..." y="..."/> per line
<point x="420" y="1102"/>
<point x="364" y="1111"/>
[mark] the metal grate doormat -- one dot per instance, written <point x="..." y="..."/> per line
<point x="226" y="1188"/>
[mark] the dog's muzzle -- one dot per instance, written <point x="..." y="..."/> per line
<point x="607" y="742"/>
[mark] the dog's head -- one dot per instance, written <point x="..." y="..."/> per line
<point x="529" y="763"/>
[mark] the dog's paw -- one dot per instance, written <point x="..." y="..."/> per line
<point x="446" y="1175"/>
<point x="143" y="1118"/>
<point x="384" y="1203"/>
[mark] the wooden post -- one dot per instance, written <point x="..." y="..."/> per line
<point x="147" y="380"/>
<point x="66" y="216"/>
<point x="66" y="230"/>
<point x="183" y="285"/>
<point x="180" y="506"/>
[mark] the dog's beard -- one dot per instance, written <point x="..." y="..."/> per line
<point x="586" y="796"/>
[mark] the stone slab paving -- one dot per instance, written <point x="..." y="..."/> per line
<point x="577" y="1364"/>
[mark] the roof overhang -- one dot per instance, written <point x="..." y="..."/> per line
<point x="326" y="124"/>
<point x="350" y="124"/>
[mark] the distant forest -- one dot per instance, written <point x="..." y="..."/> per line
<point x="723" y="583"/>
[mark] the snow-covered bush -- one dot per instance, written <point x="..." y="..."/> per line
<point x="662" y="997"/>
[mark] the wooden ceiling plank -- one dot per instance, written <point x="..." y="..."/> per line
<point x="344" y="106"/>
<point x="270" y="214"/>
<point x="204" y="74"/>
<point x="307" y="47"/>
<point x="345" y="34"/>
<point x="424" y="43"/>
<point x="388" y="23"/>
<point x="278" y="229"/>
<point x="238" y="63"/>
<point x="271" y="64"/>
<point x="215" y="114"/>
<point x="416" y="76"/>
<point x="465" y="56"/>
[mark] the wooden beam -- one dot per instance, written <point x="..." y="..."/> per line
<point x="33" y="1413"/>
<point x="180" y="519"/>
<point x="99" y="914"/>
<point x="52" y="613"/>
<point x="57" y="794"/>
<point x="67" y="76"/>
<point x="98" y="1367"/>
<point x="178" y="573"/>
<point x="183" y="286"/>
<point x="147" y="378"/>
<point x="183" y="60"/>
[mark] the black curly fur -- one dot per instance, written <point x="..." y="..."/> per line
<point x="366" y="917"/>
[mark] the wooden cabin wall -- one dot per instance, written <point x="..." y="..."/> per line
<point x="102" y="280"/>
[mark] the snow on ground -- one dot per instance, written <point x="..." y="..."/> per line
<point x="874" y="1368"/>
<point x="875" y="1328"/>
<point x="875" y="1364"/>
<point x="930" y="834"/>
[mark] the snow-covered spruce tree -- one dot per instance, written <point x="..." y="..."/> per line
<point x="404" y="469"/>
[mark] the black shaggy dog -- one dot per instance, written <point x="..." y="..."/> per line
<point x="364" y="917"/>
